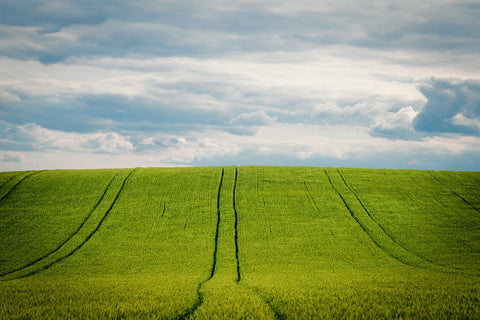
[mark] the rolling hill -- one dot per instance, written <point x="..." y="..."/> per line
<point x="239" y="242"/>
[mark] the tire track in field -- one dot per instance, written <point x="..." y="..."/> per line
<point x="347" y="206"/>
<point x="215" y="250"/>
<point x="268" y="302"/>
<point x="383" y="247"/>
<point x="431" y="263"/>
<point x="370" y="215"/>
<point x="45" y="267"/>
<point x="374" y="221"/>
<point x="454" y="192"/>
<point x="226" y="223"/>
<point x="5" y="196"/>
<point x="68" y="238"/>
<point x="388" y="244"/>
<point x="236" y="225"/>
<point x="10" y="179"/>
<point x="189" y="312"/>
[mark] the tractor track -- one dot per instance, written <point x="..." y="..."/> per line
<point x="418" y="261"/>
<point x="45" y="267"/>
<point x="215" y="250"/>
<point x="454" y="192"/>
<point x="384" y="231"/>
<point x="346" y="205"/>
<point x="376" y="242"/>
<point x="189" y="312"/>
<point x="236" y="225"/>
<point x="68" y="238"/>
<point x="361" y="203"/>
<point x="199" y="289"/>
<point x="10" y="179"/>
<point x="374" y="221"/>
<point x="5" y="196"/>
<point x="268" y="302"/>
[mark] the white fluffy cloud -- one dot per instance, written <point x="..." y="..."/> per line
<point x="460" y="120"/>
<point x="396" y="124"/>
<point x="35" y="137"/>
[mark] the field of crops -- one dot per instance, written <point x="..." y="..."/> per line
<point x="239" y="242"/>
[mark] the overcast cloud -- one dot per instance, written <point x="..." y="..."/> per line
<point x="386" y="84"/>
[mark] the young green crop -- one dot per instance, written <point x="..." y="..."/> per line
<point x="43" y="209"/>
<point x="307" y="243"/>
<point x="239" y="242"/>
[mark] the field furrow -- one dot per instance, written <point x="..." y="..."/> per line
<point x="239" y="276"/>
<point x="189" y="312"/>
<point x="255" y="294"/>
<point x="6" y="178"/>
<point x="64" y="242"/>
<point x="224" y="286"/>
<point x="428" y="263"/>
<point x="373" y="220"/>
<point x="375" y="231"/>
<point x="73" y="243"/>
<point x="44" y="211"/>
<point x="422" y="215"/>
<point x="9" y="186"/>
<point x="217" y="229"/>
<point x="454" y="192"/>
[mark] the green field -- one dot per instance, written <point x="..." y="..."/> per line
<point x="239" y="242"/>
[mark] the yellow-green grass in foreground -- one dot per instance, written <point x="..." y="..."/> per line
<point x="240" y="242"/>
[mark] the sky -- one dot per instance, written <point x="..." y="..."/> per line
<point x="144" y="83"/>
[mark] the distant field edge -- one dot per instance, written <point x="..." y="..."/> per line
<point x="18" y="172"/>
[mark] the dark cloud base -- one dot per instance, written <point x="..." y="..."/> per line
<point x="448" y="98"/>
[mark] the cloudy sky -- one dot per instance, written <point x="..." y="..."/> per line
<point x="382" y="84"/>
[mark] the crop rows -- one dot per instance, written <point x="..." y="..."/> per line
<point x="240" y="242"/>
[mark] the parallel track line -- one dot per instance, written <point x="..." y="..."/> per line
<point x="421" y="263"/>
<point x="11" y="178"/>
<point x="189" y="312"/>
<point x="86" y="239"/>
<point x="350" y="210"/>
<point x="373" y="220"/>
<point x="454" y="192"/>
<point x="67" y="239"/>
<point x="384" y="231"/>
<point x="5" y="196"/>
